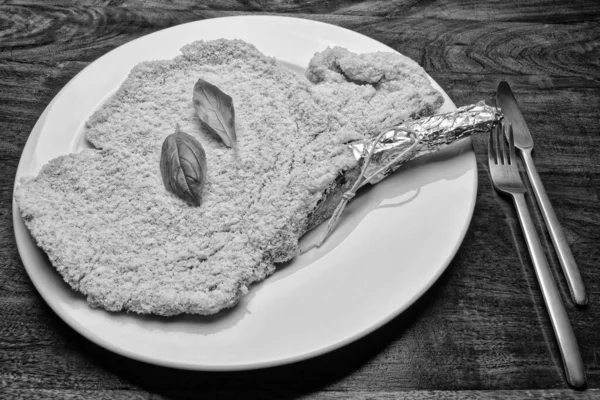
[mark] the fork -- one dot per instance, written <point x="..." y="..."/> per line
<point x="506" y="179"/>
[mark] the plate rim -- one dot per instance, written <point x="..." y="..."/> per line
<point x="20" y="228"/>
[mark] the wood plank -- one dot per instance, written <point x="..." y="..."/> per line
<point x="25" y="394"/>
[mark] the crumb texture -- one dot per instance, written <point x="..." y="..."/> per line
<point x="116" y="235"/>
<point x="381" y="89"/>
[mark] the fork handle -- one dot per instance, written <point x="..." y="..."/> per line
<point x="563" y="251"/>
<point x="567" y="343"/>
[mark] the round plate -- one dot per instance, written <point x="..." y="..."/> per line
<point x="393" y="241"/>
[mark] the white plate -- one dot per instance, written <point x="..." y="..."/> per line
<point x="391" y="246"/>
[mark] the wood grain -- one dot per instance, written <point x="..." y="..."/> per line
<point x="409" y="394"/>
<point x="480" y="332"/>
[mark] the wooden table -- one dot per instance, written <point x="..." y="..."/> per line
<point x="480" y="332"/>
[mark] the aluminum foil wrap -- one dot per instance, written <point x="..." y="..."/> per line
<point x="414" y="138"/>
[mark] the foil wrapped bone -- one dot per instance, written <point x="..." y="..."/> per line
<point x="415" y="138"/>
<point x="383" y="154"/>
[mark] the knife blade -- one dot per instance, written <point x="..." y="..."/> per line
<point x="524" y="143"/>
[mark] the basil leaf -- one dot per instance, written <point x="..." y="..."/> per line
<point x="183" y="166"/>
<point x="215" y="110"/>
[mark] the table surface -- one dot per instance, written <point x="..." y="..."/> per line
<point x="481" y="331"/>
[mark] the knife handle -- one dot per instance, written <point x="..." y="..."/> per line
<point x="563" y="251"/>
<point x="567" y="343"/>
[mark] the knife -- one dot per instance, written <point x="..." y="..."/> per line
<point x="524" y="142"/>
